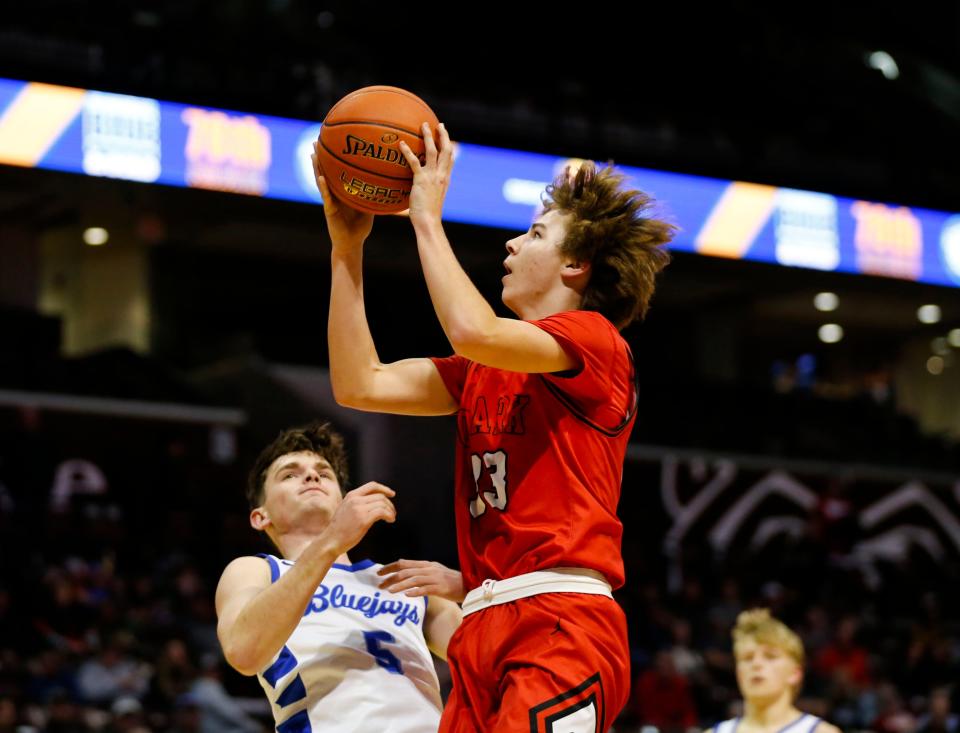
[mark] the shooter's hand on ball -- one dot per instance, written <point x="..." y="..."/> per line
<point x="347" y="227"/>
<point x="431" y="178"/>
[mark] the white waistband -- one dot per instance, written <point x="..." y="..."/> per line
<point x="557" y="580"/>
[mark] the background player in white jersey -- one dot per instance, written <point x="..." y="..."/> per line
<point x="769" y="658"/>
<point x="332" y="650"/>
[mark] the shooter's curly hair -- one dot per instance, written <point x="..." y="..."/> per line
<point x="612" y="230"/>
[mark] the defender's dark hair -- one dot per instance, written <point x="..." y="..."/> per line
<point x="317" y="437"/>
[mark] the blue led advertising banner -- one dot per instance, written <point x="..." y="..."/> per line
<point x="146" y="140"/>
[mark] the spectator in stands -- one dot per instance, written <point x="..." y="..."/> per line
<point x="892" y="714"/>
<point x="931" y="661"/>
<point x="687" y="661"/>
<point x="64" y="715"/>
<point x="48" y="671"/>
<point x="661" y="697"/>
<point x="174" y="674"/>
<point x="186" y="715"/>
<point x="939" y="718"/>
<point x="844" y="661"/>
<point x="113" y="672"/>
<point x="127" y="715"/>
<point x="219" y="713"/>
<point x="9" y="715"/>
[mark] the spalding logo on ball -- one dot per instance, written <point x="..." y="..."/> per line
<point x="359" y="153"/>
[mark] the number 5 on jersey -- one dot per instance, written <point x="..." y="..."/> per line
<point x="494" y="465"/>
<point x="385" y="658"/>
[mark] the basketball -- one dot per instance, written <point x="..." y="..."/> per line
<point x="359" y="147"/>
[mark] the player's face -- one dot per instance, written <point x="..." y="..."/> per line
<point x="765" y="671"/>
<point x="534" y="262"/>
<point x="300" y="486"/>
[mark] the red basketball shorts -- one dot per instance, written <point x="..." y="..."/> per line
<point x="550" y="663"/>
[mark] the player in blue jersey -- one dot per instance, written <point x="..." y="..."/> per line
<point x="769" y="661"/>
<point x="332" y="650"/>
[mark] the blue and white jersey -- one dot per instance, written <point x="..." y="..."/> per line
<point x="806" y="723"/>
<point x="357" y="661"/>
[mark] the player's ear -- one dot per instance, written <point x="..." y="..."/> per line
<point x="575" y="267"/>
<point x="259" y="519"/>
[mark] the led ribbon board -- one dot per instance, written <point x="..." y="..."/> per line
<point x="146" y="140"/>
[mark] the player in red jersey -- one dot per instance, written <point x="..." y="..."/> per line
<point x="545" y="405"/>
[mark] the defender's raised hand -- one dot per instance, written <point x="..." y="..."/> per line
<point x="423" y="578"/>
<point x="357" y="512"/>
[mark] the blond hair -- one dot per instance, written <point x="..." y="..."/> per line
<point x="759" y="626"/>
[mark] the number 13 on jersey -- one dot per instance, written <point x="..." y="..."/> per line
<point x="495" y="466"/>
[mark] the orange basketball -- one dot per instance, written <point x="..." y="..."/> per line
<point x="359" y="152"/>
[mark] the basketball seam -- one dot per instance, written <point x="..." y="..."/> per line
<point x="357" y="167"/>
<point x="378" y="124"/>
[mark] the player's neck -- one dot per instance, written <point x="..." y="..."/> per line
<point x="556" y="301"/>
<point x="770" y="713"/>
<point x="293" y="545"/>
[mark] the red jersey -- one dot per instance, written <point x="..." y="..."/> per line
<point x="540" y="456"/>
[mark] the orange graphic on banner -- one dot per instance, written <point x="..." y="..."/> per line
<point x="888" y="240"/>
<point x="35" y="120"/>
<point x="736" y="220"/>
<point x="226" y="153"/>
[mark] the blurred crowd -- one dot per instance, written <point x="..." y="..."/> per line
<point x="885" y="661"/>
<point x="87" y="644"/>
<point x="107" y="619"/>
<point x="85" y="647"/>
